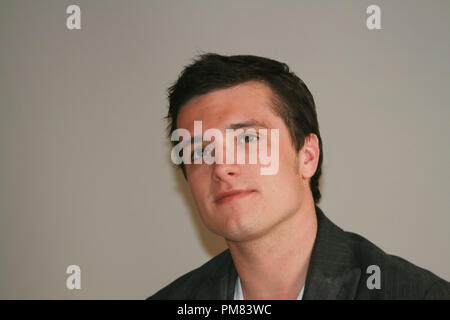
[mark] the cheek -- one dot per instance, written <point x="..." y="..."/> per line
<point x="286" y="184"/>
<point x="286" y="195"/>
<point x="198" y="183"/>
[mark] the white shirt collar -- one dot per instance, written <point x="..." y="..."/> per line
<point x="238" y="291"/>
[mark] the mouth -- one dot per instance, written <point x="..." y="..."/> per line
<point x="232" y="195"/>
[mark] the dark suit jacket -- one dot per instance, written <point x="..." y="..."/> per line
<point x="337" y="270"/>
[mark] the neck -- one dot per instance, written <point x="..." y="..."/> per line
<point x="274" y="266"/>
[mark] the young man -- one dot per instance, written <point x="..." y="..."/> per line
<point x="281" y="245"/>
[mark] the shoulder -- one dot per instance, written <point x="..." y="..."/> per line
<point x="398" y="278"/>
<point x="186" y="287"/>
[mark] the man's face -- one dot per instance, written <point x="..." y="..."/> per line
<point x="235" y="200"/>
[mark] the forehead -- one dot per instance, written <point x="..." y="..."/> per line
<point x="219" y="108"/>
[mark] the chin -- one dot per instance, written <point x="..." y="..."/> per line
<point x="235" y="223"/>
<point x="241" y="229"/>
<point x="243" y="235"/>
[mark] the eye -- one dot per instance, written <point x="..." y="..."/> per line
<point x="248" y="138"/>
<point x="197" y="153"/>
<point x="201" y="152"/>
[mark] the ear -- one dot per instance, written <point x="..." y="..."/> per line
<point x="309" y="157"/>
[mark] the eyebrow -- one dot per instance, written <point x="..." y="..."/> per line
<point x="246" y="124"/>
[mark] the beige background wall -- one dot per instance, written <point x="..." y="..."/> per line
<point x="85" y="172"/>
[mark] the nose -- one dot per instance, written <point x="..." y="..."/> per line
<point x="226" y="171"/>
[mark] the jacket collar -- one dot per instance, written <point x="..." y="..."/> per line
<point x="219" y="285"/>
<point x="332" y="271"/>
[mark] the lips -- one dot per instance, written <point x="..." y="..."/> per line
<point x="231" y="195"/>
